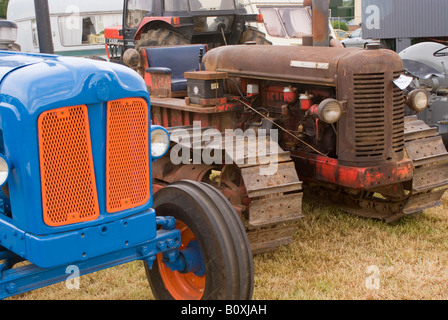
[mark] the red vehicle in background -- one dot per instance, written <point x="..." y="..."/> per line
<point x="168" y="22"/>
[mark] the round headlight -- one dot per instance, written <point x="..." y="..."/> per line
<point x="330" y="111"/>
<point x="4" y="171"/>
<point x="418" y="100"/>
<point x="160" y="142"/>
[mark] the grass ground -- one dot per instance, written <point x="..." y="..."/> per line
<point x="335" y="256"/>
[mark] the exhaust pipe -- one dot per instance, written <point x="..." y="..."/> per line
<point x="321" y="16"/>
<point x="43" y="26"/>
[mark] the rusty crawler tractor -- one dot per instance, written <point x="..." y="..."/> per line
<point x="343" y="134"/>
<point x="170" y="22"/>
<point x="345" y="127"/>
<point x="268" y="203"/>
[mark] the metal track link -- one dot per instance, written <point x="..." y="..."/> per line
<point x="426" y="149"/>
<point x="275" y="194"/>
<point x="272" y="189"/>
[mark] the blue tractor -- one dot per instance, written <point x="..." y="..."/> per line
<point x="76" y="148"/>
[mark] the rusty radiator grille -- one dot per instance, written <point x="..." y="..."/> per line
<point x="398" y="117"/>
<point x="69" y="192"/>
<point x="127" y="154"/>
<point x="369" y="111"/>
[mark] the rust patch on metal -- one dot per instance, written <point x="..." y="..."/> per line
<point x="321" y="35"/>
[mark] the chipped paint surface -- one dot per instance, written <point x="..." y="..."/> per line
<point x="329" y="170"/>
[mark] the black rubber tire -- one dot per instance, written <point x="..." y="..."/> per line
<point x="252" y="34"/>
<point x="161" y="37"/>
<point x="221" y="236"/>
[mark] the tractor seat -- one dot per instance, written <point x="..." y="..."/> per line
<point x="175" y="60"/>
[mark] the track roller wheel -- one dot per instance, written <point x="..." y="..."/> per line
<point x="211" y="233"/>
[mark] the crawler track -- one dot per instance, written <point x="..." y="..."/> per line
<point x="266" y="195"/>
<point x="424" y="146"/>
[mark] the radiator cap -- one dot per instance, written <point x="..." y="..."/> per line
<point x="373" y="46"/>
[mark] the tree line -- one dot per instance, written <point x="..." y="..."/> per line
<point x="3" y="7"/>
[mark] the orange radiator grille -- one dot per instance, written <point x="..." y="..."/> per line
<point x="127" y="156"/>
<point x="69" y="192"/>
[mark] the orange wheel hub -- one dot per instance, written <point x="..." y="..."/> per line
<point x="182" y="286"/>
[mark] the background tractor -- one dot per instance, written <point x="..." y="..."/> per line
<point x="174" y="22"/>
<point x="426" y="63"/>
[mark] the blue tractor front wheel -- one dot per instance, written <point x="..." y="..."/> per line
<point x="218" y="262"/>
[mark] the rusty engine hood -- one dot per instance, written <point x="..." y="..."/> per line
<point x="300" y="64"/>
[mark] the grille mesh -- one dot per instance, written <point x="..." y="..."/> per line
<point x="369" y="93"/>
<point x="69" y="192"/>
<point x="127" y="157"/>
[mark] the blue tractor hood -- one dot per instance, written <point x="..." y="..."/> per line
<point x="10" y="61"/>
<point x="34" y="82"/>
